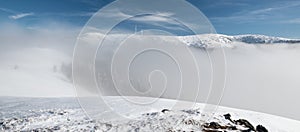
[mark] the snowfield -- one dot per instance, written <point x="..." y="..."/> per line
<point x="64" y="114"/>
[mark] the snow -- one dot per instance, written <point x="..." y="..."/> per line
<point x="263" y="39"/>
<point x="220" y="40"/>
<point x="34" y="69"/>
<point x="64" y="114"/>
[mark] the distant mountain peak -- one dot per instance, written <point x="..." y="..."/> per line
<point x="215" y="40"/>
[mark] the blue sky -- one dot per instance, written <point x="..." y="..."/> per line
<point x="268" y="17"/>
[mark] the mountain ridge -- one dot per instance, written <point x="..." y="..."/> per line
<point x="215" y="40"/>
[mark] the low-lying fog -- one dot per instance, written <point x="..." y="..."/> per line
<point x="262" y="78"/>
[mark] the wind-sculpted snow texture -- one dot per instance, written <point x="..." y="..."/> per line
<point x="217" y="40"/>
<point x="64" y="114"/>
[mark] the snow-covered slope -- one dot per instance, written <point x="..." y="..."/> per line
<point x="64" y="114"/>
<point x="23" y="71"/>
<point x="220" y="40"/>
<point x="262" y="39"/>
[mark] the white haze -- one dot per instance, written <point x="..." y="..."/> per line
<point x="264" y="78"/>
<point x="35" y="62"/>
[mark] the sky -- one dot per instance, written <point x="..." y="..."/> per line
<point x="268" y="17"/>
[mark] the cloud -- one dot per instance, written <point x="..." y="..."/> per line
<point x="117" y="14"/>
<point x="275" y="7"/>
<point x="292" y="21"/>
<point x="164" y="21"/>
<point x="7" y="10"/>
<point x="66" y="14"/>
<point x="160" y="17"/>
<point x="267" y="12"/>
<point x="259" y="11"/>
<point x="246" y="18"/>
<point x="36" y="59"/>
<point x="114" y="14"/>
<point x="21" y="15"/>
<point x="223" y="3"/>
<point x="16" y="15"/>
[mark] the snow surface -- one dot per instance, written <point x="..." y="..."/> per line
<point x="220" y="40"/>
<point x="64" y="114"/>
<point x="34" y="69"/>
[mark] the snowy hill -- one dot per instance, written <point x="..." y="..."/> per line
<point x="64" y="114"/>
<point x="216" y="40"/>
<point x="262" y="39"/>
<point x="40" y="70"/>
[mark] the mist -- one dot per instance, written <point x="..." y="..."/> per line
<point x="264" y="78"/>
<point x="36" y="62"/>
<point x="260" y="77"/>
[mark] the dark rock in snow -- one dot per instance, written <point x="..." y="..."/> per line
<point x="232" y="128"/>
<point x="165" y="110"/>
<point x="260" y="128"/>
<point x="213" y="125"/>
<point x="56" y="128"/>
<point x="244" y="123"/>
<point x="228" y="117"/>
<point x="210" y="130"/>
